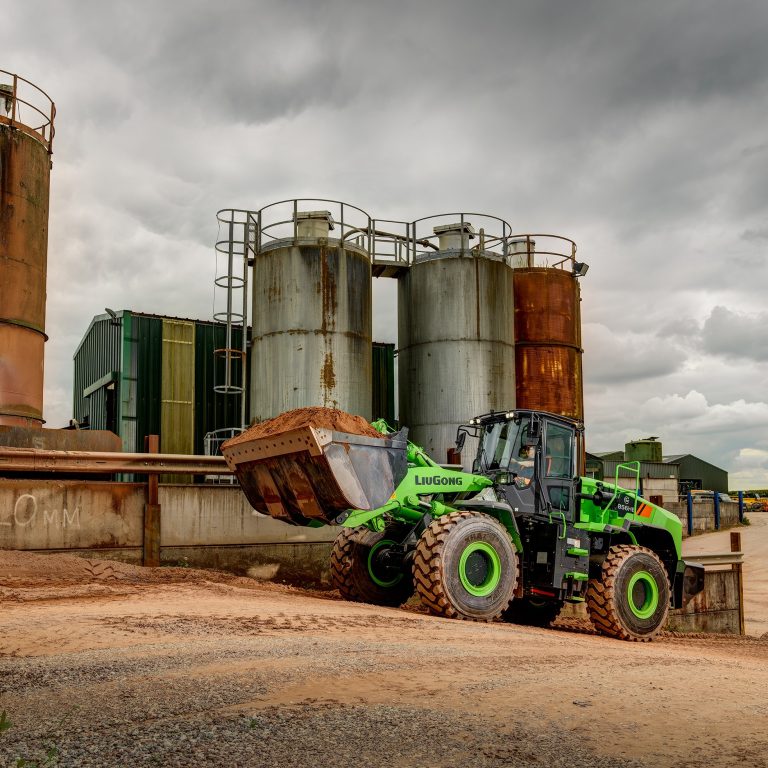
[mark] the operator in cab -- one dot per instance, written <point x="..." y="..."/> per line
<point x="522" y="466"/>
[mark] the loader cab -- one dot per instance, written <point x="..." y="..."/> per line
<point x="532" y="456"/>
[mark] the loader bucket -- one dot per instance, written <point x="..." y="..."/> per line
<point x="312" y="473"/>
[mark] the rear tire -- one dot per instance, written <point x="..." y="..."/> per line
<point x="354" y="570"/>
<point x="630" y="600"/>
<point x="465" y="567"/>
<point x="532" y="612"/>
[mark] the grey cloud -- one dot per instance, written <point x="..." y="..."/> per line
<point x="735" y="335"/>
<point x="627" y="357"/>
<point x="755" y="235"/>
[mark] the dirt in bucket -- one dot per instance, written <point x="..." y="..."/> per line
<point x="322" y="418"/>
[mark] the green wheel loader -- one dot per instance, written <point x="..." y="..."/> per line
<point x="515" y="539"/>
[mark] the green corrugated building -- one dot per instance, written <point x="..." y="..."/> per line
<point x="138" y="374"/>
<point x="697" y="474"/>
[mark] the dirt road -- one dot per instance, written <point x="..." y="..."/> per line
<point x="131" y="667"/>
<point x="754" y="544"/>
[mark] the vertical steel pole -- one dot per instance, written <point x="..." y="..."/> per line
<point x="737" y="567"/>
<point x="690" y="513"/>
<point x="151" y="546"/>
<point x="716" y="498"/>
<point x="228" y="343"/>
<point x="244" y="338"/>
<point x="741" y="506"/>
<point x="13" y="102"/>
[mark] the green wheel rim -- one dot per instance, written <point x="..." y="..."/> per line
<point x="643" y="595"/>
<point x="372" y="573"/>
<point x="480" y="553"/>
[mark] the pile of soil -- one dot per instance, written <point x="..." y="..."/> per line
<point x="321" y="418"/>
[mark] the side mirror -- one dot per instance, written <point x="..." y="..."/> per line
<point x="461" y="438"/>
<point x="534" y="433"/>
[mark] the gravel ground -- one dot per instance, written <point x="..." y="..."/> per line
<point x="102" y="710"/>
<point x="201" y="670"/>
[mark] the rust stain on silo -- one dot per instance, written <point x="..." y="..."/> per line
<point x="548" y="341"/>
<point x="24" y="186"/>
<point x="328" y="290"/>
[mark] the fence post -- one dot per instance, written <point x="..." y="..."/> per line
<point x="736" y="547"/>
<point x="151" y="552"/>
<point x="741" y="506"/>
<point x="690" y="513"/>
<point x="716" y="499"/>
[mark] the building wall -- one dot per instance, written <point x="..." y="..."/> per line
<point x="708" y="476"/>
<point x="144" y="375"/>
<point x="161" y="373"/>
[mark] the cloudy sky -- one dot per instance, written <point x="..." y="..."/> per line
<point x="639" y="129"/>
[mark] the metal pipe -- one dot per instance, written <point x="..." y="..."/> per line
<point x="96" y="462"/>
<point x="244" y="336"/>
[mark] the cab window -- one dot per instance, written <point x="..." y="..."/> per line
<point x="558" y="456"/>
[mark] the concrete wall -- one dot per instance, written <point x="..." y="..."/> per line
<point x="704" y="515"/>
<point x="715" y="609"/>
<point x="70" y="514"/>
<point x="207" y="526"/>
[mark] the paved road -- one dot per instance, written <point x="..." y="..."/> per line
<point x="754" y="544"/>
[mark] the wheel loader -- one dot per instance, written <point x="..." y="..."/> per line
<point x="514" y="539"/>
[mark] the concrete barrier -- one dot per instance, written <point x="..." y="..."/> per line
<point x="704" y="515"/>
<point x="205" y="526"/>
<point x="717" y="608"/>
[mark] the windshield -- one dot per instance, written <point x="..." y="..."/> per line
<point x="502" y="442"/>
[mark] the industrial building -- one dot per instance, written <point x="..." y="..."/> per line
<point x="697" y="474"/>
<point x="663" y="479"/>
<point x="138" y="374"/>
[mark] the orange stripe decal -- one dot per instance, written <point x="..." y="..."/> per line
<point x="644" y="511"/>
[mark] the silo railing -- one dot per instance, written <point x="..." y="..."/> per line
<point x="27" y="108"/>
<point x="278" y="223"/>
<point x="477" y="233"/>
<point x="541" y="250"/>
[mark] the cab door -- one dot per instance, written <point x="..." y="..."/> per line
<point x="558" y="469"/>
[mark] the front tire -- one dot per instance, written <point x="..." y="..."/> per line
<point x="465" y="567"/>
<point x="630" y="600"/>
<point x="356" y="573"/>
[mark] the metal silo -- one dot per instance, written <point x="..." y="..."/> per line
<point x="312" y="309"/>
<point x="548" y="325"/>
<point x="648" y="449"/>
<point x="26" y="133"/>
<point x="455" y="330"/>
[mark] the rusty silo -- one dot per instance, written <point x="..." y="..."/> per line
<point x="455" y="330"/>
<point x="26" y="134"/>
<point x="312" y="309"/>
<point x="548" y="325"/>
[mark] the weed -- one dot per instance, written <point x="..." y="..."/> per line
<point x="51" y="758"/>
